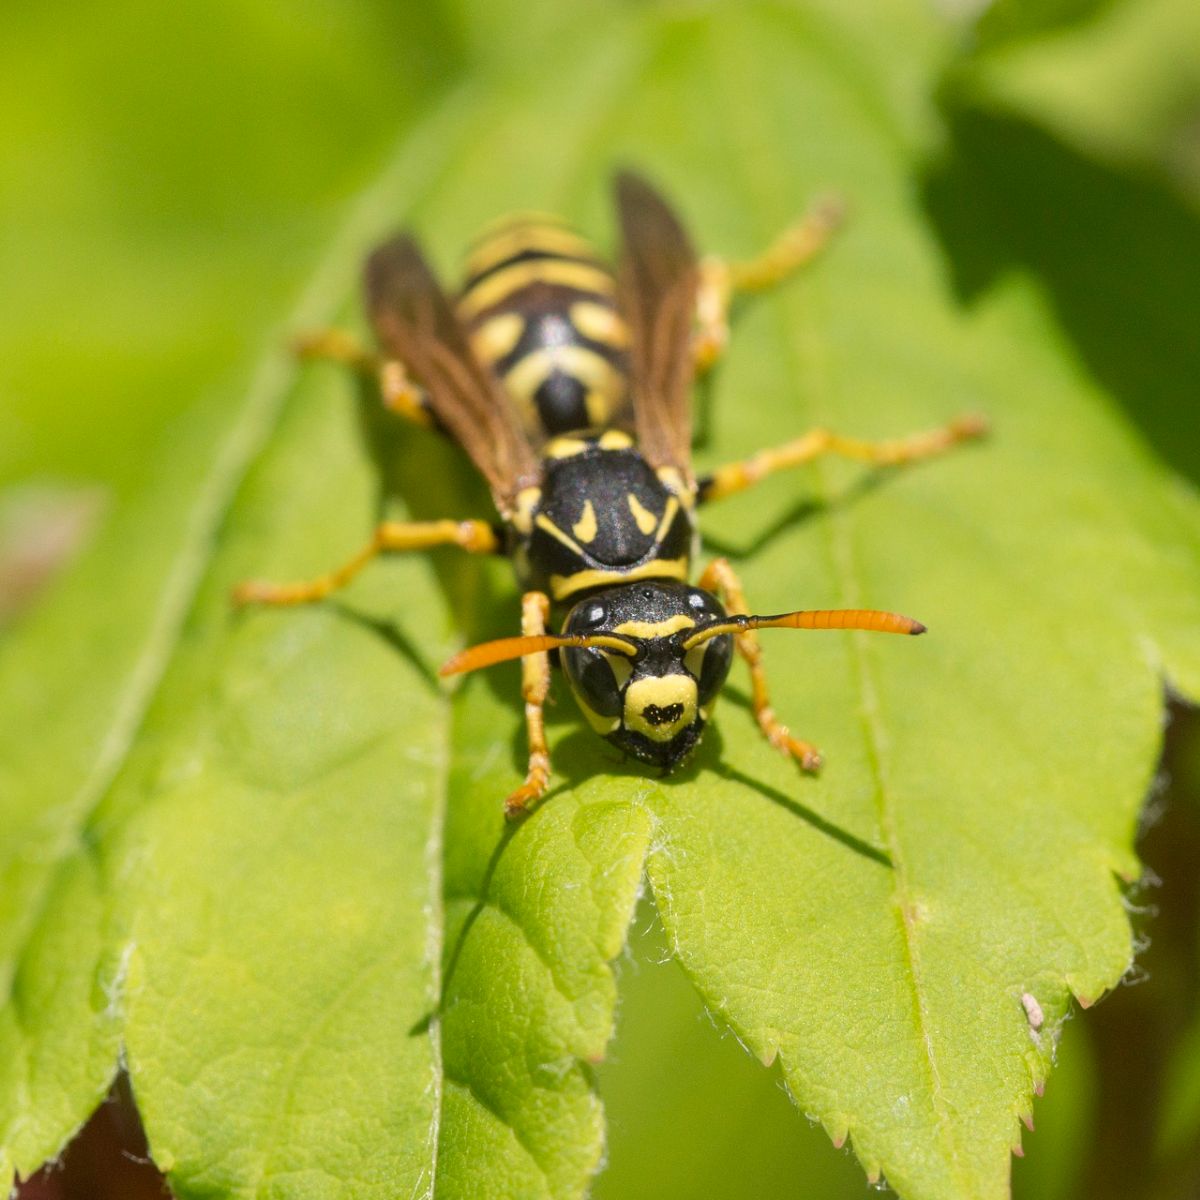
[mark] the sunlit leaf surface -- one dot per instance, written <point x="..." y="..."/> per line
<point x="274" y="874"/>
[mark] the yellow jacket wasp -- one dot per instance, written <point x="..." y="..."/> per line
<point x="568" y="385"/>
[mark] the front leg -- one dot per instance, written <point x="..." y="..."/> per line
<point x="719" y="578"/>
<point x="535" y="685"/>
<point x="476" y="537"/>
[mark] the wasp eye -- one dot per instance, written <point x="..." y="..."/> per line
<point x="592" y="677"/>
<point x="595" y="614"/>
<point x="697" y="601"/>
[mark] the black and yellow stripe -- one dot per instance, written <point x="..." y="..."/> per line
<point x="541" y="310"/>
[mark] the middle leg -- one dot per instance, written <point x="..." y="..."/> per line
<point x="737" y="476"/>
<point x="719" y="577"/>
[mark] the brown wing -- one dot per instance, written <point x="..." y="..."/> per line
<point x="416" y="323"/>
<point x="656" y="286"/>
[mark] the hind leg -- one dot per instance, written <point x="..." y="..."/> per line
<point x="721" y="281"/>
<point x="400" y="394"/>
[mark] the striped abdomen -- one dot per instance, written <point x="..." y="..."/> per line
<point x="541" y="310"/>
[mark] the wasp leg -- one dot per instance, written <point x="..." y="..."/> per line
<point x="535" y="684"/>
<point x="721" y="281"/>
<point x="476" y="537"/>
<point x="736" y="477"/>
<point x="400" y="394"/>
<point x="719" y="577"/>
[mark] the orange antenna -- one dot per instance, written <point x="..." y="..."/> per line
<point x="823" y="618"/>
<point x="487" y="654"/>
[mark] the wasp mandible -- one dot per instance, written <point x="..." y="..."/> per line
<point x="568" y="385"/>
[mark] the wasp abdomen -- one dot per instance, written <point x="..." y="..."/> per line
<point x="541" y="310"/>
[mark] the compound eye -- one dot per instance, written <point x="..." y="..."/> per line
<point x="591" y="676"/>
<point x="595" y="615"/>
<point x="704" y="604"/>
<point x="591" y="616"/>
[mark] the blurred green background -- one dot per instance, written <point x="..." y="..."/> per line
<point x="173" y="178"/>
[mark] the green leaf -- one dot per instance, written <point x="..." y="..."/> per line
<point x="263" y="856"/>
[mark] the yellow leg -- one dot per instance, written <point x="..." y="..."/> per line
<point x="400" y="394"/>
<point x="719" y="577"/>
<point x="476" y="537"/>
<point x="736" y="477"/>
<point x="720" y="281"/>
<point x="535" y="684"/>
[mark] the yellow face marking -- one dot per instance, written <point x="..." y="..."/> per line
<point x="496" y="337"/>
<point x="562" y="586"/>
<point x="651" y="629"/>
<point x="601" y="724"/>
<point x="530" y="233"/>
<point x="600" y="323"/>
<point x="614" y="439"/>
<point x="564" y="447"/>
<point x="585" y="528"/>
<point x="621" y="668"/>
<point x="543" y="522"/>
<point x="647" y="522"/>
<point x="669" y="694"/>
<point x="581" y="276"/>
<point x="694" y="659"/>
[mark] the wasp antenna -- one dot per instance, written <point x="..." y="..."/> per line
<point x="869" y="619"/>
<point x="488" y="654"/>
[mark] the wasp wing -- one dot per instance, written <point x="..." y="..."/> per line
<point x="657" y="278"/>
<point x="416" y="323"/>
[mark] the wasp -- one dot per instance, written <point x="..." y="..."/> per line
<point x="568" y="385"/>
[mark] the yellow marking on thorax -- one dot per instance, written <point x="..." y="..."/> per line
<point x="614" y="439"/>
<point x="565" y="447"/>
<point x="663" y="691"/>
<point x="562" y="586"/>
<point x="669" y="511"/>
<point x="600" y="323"/>
<point x="543" y="522"/>
<point x="527" y="500"/>
<point x="496" y="337"/>
<point x="513" y="239"/>
<point x="673" y="480"/>
<point x="585" y="528"/>
<point x="581" y="276"/>
<point x="647" y="522"/>
<point x="655" y="629"/>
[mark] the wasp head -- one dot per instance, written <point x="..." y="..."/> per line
<point x="653" y="698"/>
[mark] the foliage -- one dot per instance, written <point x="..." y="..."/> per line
<point x="261" y="858"/>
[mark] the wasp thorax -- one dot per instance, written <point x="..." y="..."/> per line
<point x="653" y="700"/>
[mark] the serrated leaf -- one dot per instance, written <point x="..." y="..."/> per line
<point x="296" y="908"/>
